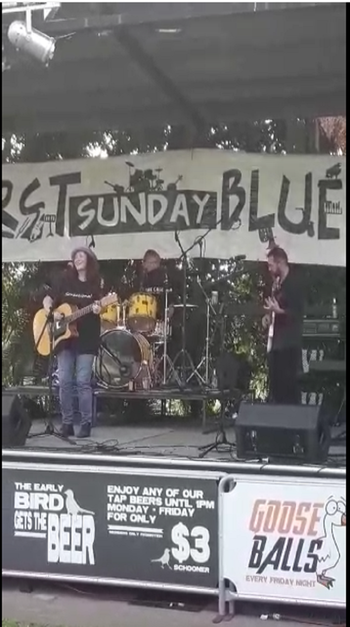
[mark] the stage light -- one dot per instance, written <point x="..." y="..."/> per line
<point x="32" y="42"/>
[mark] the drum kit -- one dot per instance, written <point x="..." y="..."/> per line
<point x="133" y="351"/>
<point x="134" y="341"/>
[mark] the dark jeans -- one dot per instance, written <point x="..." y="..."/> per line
<point x="284" y="368"/>
<point x="69" y="361"/>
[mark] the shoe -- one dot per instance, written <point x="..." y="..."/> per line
<point x="66" y="431"/>
<point x="85" y="431"/>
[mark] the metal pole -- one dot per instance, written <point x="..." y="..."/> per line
<point x="166" y="318"/>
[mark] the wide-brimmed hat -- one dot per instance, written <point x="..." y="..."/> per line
<point x="84" y="249"/>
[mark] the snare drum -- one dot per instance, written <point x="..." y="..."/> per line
<point x="121" y="358"/>
<point x="142" y="316"/>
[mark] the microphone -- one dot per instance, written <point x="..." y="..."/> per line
<point x="176" y="236"/>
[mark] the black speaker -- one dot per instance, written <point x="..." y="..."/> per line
<point x="16" y="421"/>
<point x="283" y="432"/>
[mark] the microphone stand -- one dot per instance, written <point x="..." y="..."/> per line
<point x="50" y="429"/>
<point x="183" y="354"/>
<point x="164" y="366"/>
<point x="221" y="444"/>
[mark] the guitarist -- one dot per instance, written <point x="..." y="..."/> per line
<point x="284" y="320"/>
<point x="79" y="285"/>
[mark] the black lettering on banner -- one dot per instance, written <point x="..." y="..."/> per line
<point x="279" y="556"/>
<point x="263" y="222"/>
<point x="285" y="566"/>
<point x="63" y="181"/>
<point x="311" y="567"/>
<point x="324" y="231"/>
<point x="7" y="220"/>
<point x="296" y="566"/>
<point x="303" y="226"/>
<point x="34" y="209"/>
<point x="231" y="190"/>
<point x="274" y="557"/>
<point x="103" y="214"/>
<point x="257" y="552"/>
<point x="30" y="210"/>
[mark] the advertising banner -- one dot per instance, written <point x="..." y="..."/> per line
<point x="110" y="525"/>
<point x="285" y="539"/>
<point x="124" y="205"/>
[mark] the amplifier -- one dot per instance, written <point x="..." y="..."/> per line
<point x="327" y="328"/>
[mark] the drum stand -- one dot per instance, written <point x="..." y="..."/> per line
<point x="164" y="362"/>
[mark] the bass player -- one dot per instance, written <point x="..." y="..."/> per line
<point x="284" y="321"/>
<point x="79" y="285"/>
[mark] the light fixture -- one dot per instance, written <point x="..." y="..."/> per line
<point x="34" y="43"/>
<point x="27" y="39"/>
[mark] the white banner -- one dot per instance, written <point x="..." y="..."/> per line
<point x="285" y="539"/>
<point x="125" y="205"/>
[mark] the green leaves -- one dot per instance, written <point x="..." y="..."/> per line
<point x="15" y="320"/>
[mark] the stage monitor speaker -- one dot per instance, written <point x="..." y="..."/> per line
<point x="287" y="433"/>
<point x="16" y="421"/>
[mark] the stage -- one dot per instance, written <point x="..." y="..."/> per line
<point x="171" y="437"/>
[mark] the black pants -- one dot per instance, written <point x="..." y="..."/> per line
<point x="284" y="368"/>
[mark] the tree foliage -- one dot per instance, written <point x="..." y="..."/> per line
<point x="333" y="131"/>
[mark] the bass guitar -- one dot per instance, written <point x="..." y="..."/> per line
<point x="63" y="328"/>
<point x="275" y="287"/>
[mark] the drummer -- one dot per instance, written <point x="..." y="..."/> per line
<point x="153" y="278"/>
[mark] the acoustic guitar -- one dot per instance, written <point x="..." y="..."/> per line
<point x="65" y="327"/>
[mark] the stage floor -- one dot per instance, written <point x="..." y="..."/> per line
<point x="172" y="437"/>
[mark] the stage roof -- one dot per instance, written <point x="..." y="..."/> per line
<point x="179" y="63"/>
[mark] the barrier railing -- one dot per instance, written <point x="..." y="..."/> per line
<point x="253" y="533"/>
<point x="282" y="539"/>
<point x="108" y="525"/>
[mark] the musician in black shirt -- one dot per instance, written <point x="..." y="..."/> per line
<point x="79" y="285"/>
<point x="285" y="323"/>
<point x="154" y="278"/>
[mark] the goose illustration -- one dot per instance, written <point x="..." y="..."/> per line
<point x="329" y="554"/>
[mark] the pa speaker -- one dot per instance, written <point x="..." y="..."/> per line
<point x="283" y="432"/>
<point x="16" y="421"/>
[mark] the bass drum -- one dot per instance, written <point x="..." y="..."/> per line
<point x="120" y="358"/>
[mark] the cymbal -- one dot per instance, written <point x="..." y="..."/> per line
<point x="188" y="306"/>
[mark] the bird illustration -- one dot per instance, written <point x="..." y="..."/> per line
<point x="72" y="506"/>
<point x="334" y="171"/>
<point x="165" y="559"/>
<point x="329" y="554"/>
